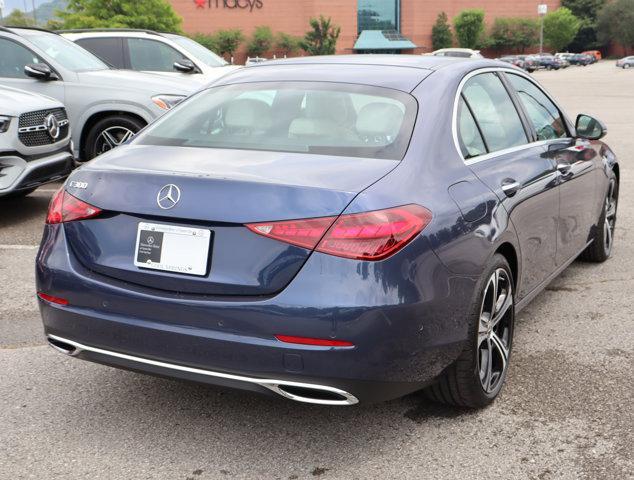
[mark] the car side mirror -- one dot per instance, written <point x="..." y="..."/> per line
<point x="184" y="65"/>
<point x="39" y="71"/>
<point x="589" y="127"/>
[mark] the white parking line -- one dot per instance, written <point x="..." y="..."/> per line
<point x="19" y="247"/>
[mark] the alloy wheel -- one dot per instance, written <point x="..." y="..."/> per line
<point x="610" y="218"/>
<point x="111" y="138"/>
<point x="495" y="330"/>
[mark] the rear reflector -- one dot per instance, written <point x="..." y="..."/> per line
<point x="65" y="208"/>
<point x="321" y="342"/>
<point x="52" y="299"/>
<point x="364" y="236"/>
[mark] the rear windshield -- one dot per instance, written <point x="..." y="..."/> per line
<point x="304" y="117"/>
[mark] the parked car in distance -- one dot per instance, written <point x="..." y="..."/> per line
<point x="35" y="145"/>
<point x="149" y="51"/>
<point x="582" y="59"/>
<point x="625" y="62"/>
<point x="530" y="64"/>
<point x="370" y="230"/>
<point x="596" y="54"/>
<point x="457" y="52"/>
<point x="547" y="61"/>
<point x="105" y="107"/>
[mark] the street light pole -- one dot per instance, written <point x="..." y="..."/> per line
<point x="542" y="9"/>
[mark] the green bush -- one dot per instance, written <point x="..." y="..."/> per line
<point x="615" y="23"/>
<point x="441" y="36"/>
<point x="287" y="44"/>
<point x="322" y="38"/>
<point x="514" y="33"/>
<point x="206" y="40"/>
<point x="469" y="28"/>
<point x="260" y="42"/>
<point x="228" y="41"/>
<point x="147" y="14"/>
<point x="560" y="28"/>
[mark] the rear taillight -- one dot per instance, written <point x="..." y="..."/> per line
<point x="66" y="208"/>
<point x="364" y="236"/>
<point x="318" y="342"/>
<point x="52" y="299"/>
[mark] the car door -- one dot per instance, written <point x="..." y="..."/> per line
<point x="147" y="55"/>
<point x="576" y="166"/>
<point x="15" y="56"/>
<point x="498" y="146"/>
<point x="108" y="49"/>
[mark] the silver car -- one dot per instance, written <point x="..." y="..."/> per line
<point x="105" y="107"/>
<point x="154" y="52"/>
<point x="35" y="145"/>
<point x="625" y="62"/>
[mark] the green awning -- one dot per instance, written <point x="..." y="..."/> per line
<point x="382" y="40"/>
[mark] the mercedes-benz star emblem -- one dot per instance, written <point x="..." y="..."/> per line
<point x="52" y="126"/>
<point x="168" y="196"/>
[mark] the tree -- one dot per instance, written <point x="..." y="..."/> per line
<point x="17" y="18"/>
<point x="615" y="23"/>
<point x="514" y="33"/>
<point x="469" y="28"/>
<point x="560" y="28"/>
<point x="260" y="42"/>
<point x="228" y="41"/>
<point x="148" y="14"/>
<point x="287" y="44"/>
<point x="322" y="39"/>
<point x="587" y="12"/>
<point x="441" y="36"/>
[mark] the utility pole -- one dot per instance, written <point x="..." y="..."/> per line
<point x="34" y="14"/>
<point x="542" y="10"/>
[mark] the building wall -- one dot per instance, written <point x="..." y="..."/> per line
<point x="292" y="16"/>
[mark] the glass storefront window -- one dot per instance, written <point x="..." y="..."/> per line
<point x="378" y="15"/>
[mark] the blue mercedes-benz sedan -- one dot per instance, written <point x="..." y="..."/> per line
<point x="331" y="230"/>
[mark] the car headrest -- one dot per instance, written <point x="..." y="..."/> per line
<point x="312" y="127"/>
<point x="248" y="113"/>
<point x="379" y="118"/>
<point x="326" y="105"/>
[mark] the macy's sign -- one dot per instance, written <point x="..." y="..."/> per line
<point x="231" y="4"/>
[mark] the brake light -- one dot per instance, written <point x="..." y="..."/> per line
<point x="371" y="235"/>
<point x="320" y="342"/>
<point x="65" y="208"/>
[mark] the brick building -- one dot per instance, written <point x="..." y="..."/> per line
<point x="390" y="25"/>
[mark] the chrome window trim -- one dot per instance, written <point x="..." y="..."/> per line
<point x="497" y="153"/>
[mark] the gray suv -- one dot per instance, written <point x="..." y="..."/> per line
<point x="105" y="107"/>
<point x="35" y="145"/>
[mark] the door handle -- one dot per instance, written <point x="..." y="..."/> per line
<point x="510" y="187"/>
<point x="564" y="168"/>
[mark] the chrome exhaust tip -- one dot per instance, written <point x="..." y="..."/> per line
<point x="296" y="391"/>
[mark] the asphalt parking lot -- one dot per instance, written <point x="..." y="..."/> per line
<point x="565" y="413"/>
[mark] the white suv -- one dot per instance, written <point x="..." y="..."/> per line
<point x="35" y="145"/>
<point x="149" y="51"/>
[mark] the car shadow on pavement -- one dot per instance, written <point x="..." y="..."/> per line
<point x="15" y="211"/>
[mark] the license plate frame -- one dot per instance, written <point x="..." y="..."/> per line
<point x="172" y="248"/>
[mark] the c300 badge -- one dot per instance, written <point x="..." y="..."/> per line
<point x="75" y="184"/>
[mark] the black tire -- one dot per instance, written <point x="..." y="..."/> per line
<point x="603" y="237"/>
<point x="461" y="384"/>
<point x="117" y="127"/>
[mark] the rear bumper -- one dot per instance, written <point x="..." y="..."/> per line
<point x="404" y="334"/>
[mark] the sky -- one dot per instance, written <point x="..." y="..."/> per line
<point x="10" y="5"/>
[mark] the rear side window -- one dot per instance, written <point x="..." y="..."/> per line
<point x="110" y="50"/>
<point x="304" y="117"/>
<point x="494" y="112"/>
<point x="543" y="114"/>
<point x="150" y="55"/>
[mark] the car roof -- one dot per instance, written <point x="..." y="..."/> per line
<point x="400" y="72"/>
<point x="113" y="32"/>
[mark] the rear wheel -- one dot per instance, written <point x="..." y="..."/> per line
<point x="601" y="247"/>
<point x="109" y="133"/>
<point x="476" y="378"/>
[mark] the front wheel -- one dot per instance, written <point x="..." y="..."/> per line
<point x="109" y="133"/>
<point x="477" y="376"/>
<point x="603" y="239"/>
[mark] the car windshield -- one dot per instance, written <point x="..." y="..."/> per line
<point x="200" y="52"/>
<point x="67" y="54"/>
<point x="304" y="117"/>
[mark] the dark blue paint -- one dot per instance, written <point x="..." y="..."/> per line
<point x="407" y="315"/>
